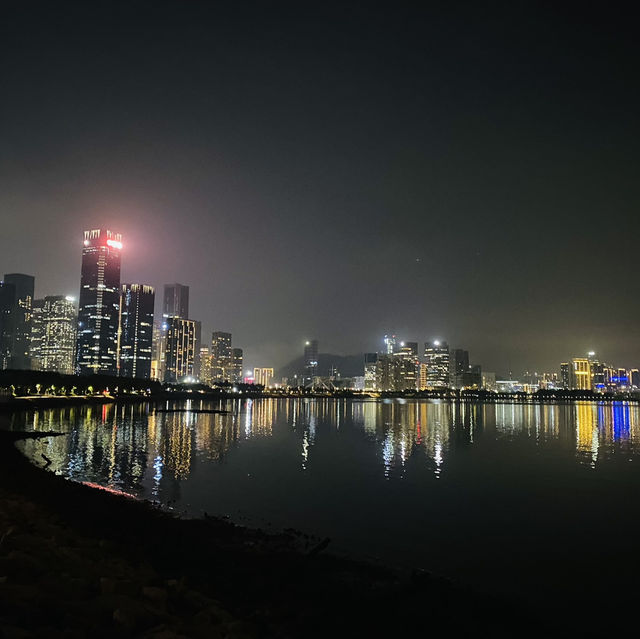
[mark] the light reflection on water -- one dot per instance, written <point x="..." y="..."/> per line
<point x="464" y="489"/>
<point x="120" y="445"/>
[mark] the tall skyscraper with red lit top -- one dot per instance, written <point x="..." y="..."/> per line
<point x="99" y="303"/>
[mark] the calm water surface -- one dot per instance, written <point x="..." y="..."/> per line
<point x="539" y="500"/>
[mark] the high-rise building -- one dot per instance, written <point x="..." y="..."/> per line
<point x="263" y="376"/>
<point x="310" y="360"/>
<point x="176" y="301"/>
<point x="634" y="378"/>
<point x="489" y="381"/>
<point x="580" y="373"/>
<point x="436" y="357"/>
<point x="135" y="337"/>
<point x="236" y="366"/>
<point x="565" y="375"/>
<point x="21" y="323"/>
<point x="7" y="314"/>
<point x="58" y="323"/>
<point x="37" y="334"/>
<point x="99" y="304"/>
<point x="458" y="366"/>
<point x="205" y="375"/>
<point x="180" y="355"/>
<point x="158" y="349"/>
<point x="423" y="382"/>
<point x="390" y="344"/>
<point x="406" y="367"/>
<point x="370" y="363"/>
<point x="222" y="356"/>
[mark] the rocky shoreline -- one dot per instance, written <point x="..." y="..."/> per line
<point x="80" y="562"/>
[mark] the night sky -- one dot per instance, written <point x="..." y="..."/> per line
<point x="337" y="171"/>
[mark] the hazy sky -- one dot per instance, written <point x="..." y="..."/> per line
<point x="337" y="171"/>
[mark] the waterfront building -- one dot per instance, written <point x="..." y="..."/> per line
<point x="370" y="362"/>
<point x="422" y="377"/>
<point x="580" y="373"/>
<point x="263" y="376"/>
<point x="396" y="372"/>
<point x="58" y="323"/>
<point x="206" y="373"/>
<point x="181" y="346"/>
<point x="236" y="366"/>
<point x="489" y="381"/>
<point x="565" y="375"/>
<point x="436" y="357"/>
<point x="406" y="367"/>
<point x="135" y="336"/>
<point x="634" y="378"/>
<point x="99" y="304"/>
<point x="310" y="360"/>
<point x="158" y="349"/>
<point x="20" y="331"/>
<point x="458" y="366"/>
<point x="7" y="304"/>
<point x="176" y="301"/>
<point x="37" y="334"/>
<point x="222" y="356"/>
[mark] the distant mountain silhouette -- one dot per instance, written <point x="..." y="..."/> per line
<point x="347" y="365"/>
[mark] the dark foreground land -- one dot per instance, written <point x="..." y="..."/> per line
<point x="80" y="562"/>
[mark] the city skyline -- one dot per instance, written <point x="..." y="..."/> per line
<point x="337" y="188"/>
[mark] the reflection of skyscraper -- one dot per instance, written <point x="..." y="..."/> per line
<point x="58" y="329"/>
<point x="136" y="330"/>
<point x="181" y="347"/>
<point x="436" y="355"/>
<point x="221" y="356"/>
<point x="176" y="301"/>
<point x="99" y="306"/>
<point x="21" y="321"/>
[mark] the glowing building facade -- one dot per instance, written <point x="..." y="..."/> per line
<point x="581" y="374"/>
<point x="181" y="348"/>
<point x="135" y="337"/>
<point x="236" y="366"/>
<point x="263" y="376"/>
<point x="436" y="357"/>
<point x="57" y="324"/>
<point x="99" y="303"/>
<point x="221" y="356"/>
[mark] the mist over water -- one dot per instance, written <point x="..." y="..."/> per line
<point x="499" y="496"/>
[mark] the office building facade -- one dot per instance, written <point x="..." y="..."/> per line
<point x="135" y="337"/>
<point x="99" y="303"/>
<point x="181" y="346"/>
<point x="436" y="357"/>
<point x="56" y="330"/>
<point x="176" y="301"/>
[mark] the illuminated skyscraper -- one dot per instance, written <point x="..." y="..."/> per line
<point x="263" y="376"/>
<point x="176" y="301"/>
<point x="135" y="337"/>
<point x="21" y="319"/>
<point x="158" y="349"/>
<point x="99" y="305"/>
<point x="581" y="373"/>
<point x="58" y="323"/>
<point x="236" y="367"/>
<point x="370" y="363"/>
<point x="37" y="334"/>
<point x="222" y="356"/>
<point x="181" y="348"/>
<point x="436" y="357"/>
<point x="565" y="375"/>
<point x="310" y="360"/>
<point x="389" y="344"/>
